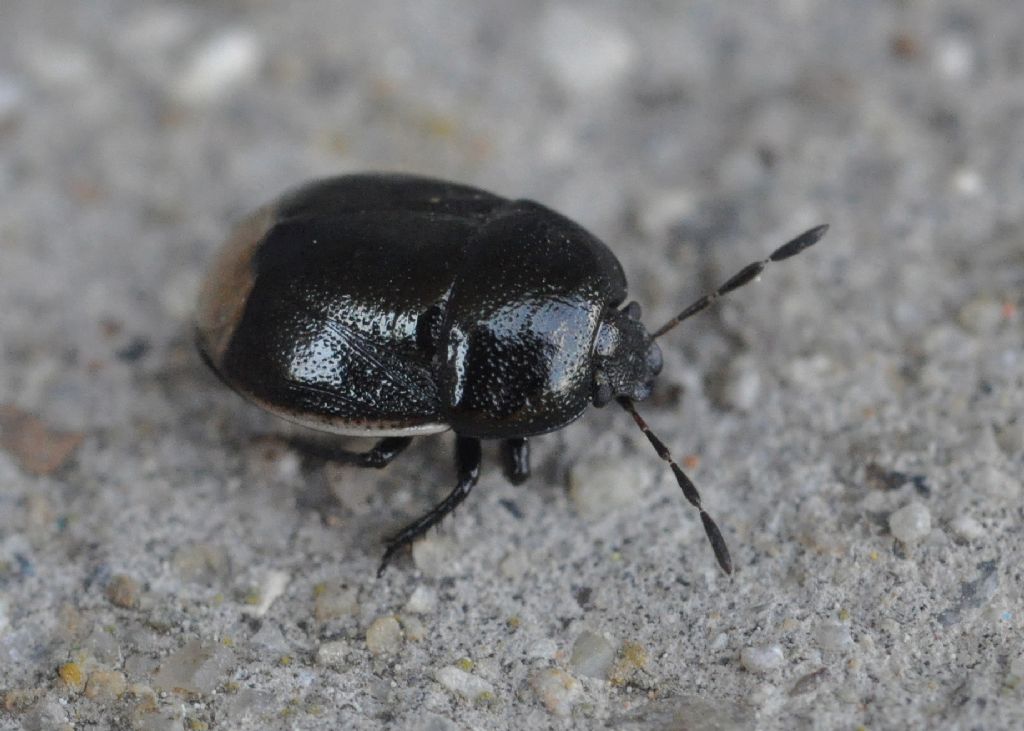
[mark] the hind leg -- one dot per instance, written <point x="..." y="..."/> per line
<point x="467" y="462"/>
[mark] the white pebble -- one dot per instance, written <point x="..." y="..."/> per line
<point x="224" y="62"/>
<point x="996" y="483"/>
<point x="384" y="636"/>
<point x="762" y="659"/>
<point x="584" y="53"/>
<point x="178" y="295"/>
<point x="332" y="654"/>
<point x="834" y="636"/>
<point x="968" y="183"/>
<point x="515" y="564"/>
<point x="557" y="689"/>
<point x="422" y="600"/>
<point x="433" y="554"/>
<point x="601" y="485"/>
<point x="462" y="683"/>
<point x="592" y="655"/>
<point x="662" y="211"/>
<point x="955" y="58"/>
<point x="981" y="316"/>
<point x="544" y="649"/>
<point x="414" y="629"/>
<point x="911" y="523"/>
<point x="273" y="586"/>
<point x="197" y="667"/>
<point x="967" y="528"/>
<point x="741" y="385"/>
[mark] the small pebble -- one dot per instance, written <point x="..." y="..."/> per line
<point x="38" y="449"/>
<point x="557" y="690"/>
<point x="123" y="591"/>
<point x="955" y="57"/>
<point x="592" y="655"/>
<point x="433" y="554"/>
<point x="996" y="483"/>
<point x="105" y="685"/>
<point x="19" y="700"/>
<point x="270" y="638"/>
<point x="198" y="667"/>
<point x="981" y="315"/>
<point x="384" y="636"/>
<point x="464" y="684"/>
<point x="968" y="183"/>
<point x="515" y="564"/>
<point x="332" y="654"/>
<point x="72" y="676"/>
<point x="422" y="600"/>
<point x="741" y="384"/>
<point x="809" y="682"/>
<point x="414" y="629"/>
<point x="911" y="523"/>
<point x="224" y="62"/>
<point x="47" y="715"/>
<point x="543" y="649"/>
<point x="630" y="664"/>
<point x="834" y="636"/>
<point x="602" y="485"/>
<point x="762" y="659"/>
<point x="272" y="587"/>
<point x="178" y="295"/>
<point x="201" y="562"/>
<point x="334" y="601"/>
<point x="663" y="210"/>
<point x="102" y="646"/>
<point x="967" y="528"/>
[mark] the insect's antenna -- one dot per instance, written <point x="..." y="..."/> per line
<point x="746" y="275"/>
<point x="689" y="490"/>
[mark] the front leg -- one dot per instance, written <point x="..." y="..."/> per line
<point x="467" y="461"/>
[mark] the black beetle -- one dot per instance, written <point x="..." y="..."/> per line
<point x="395" y="305"/>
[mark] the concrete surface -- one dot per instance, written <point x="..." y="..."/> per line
<point x="853" y="420"/>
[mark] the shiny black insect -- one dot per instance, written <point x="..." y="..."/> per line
<point x="393" y="306"/>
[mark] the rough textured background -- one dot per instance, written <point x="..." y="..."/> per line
<point x="854" y="420"/>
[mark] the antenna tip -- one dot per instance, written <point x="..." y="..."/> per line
<point x="806" y="239"/>
<point x="817" y="232"/>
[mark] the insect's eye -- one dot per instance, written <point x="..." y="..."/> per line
<point x="603" y="394"/>
<point x="632" y="310"/>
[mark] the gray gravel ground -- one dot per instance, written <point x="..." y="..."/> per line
<point x="853" y="420"/>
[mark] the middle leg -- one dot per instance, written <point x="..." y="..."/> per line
<point x="517" y="459"/>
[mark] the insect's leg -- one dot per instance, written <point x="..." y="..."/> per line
<point x="467" y="461"/>
<point x="517" y="460"/>
<point x="380" y="455"/>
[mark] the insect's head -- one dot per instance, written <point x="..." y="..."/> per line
<point x="626" y="358"/>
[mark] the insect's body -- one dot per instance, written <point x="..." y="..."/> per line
<point x="394" y="306"/>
